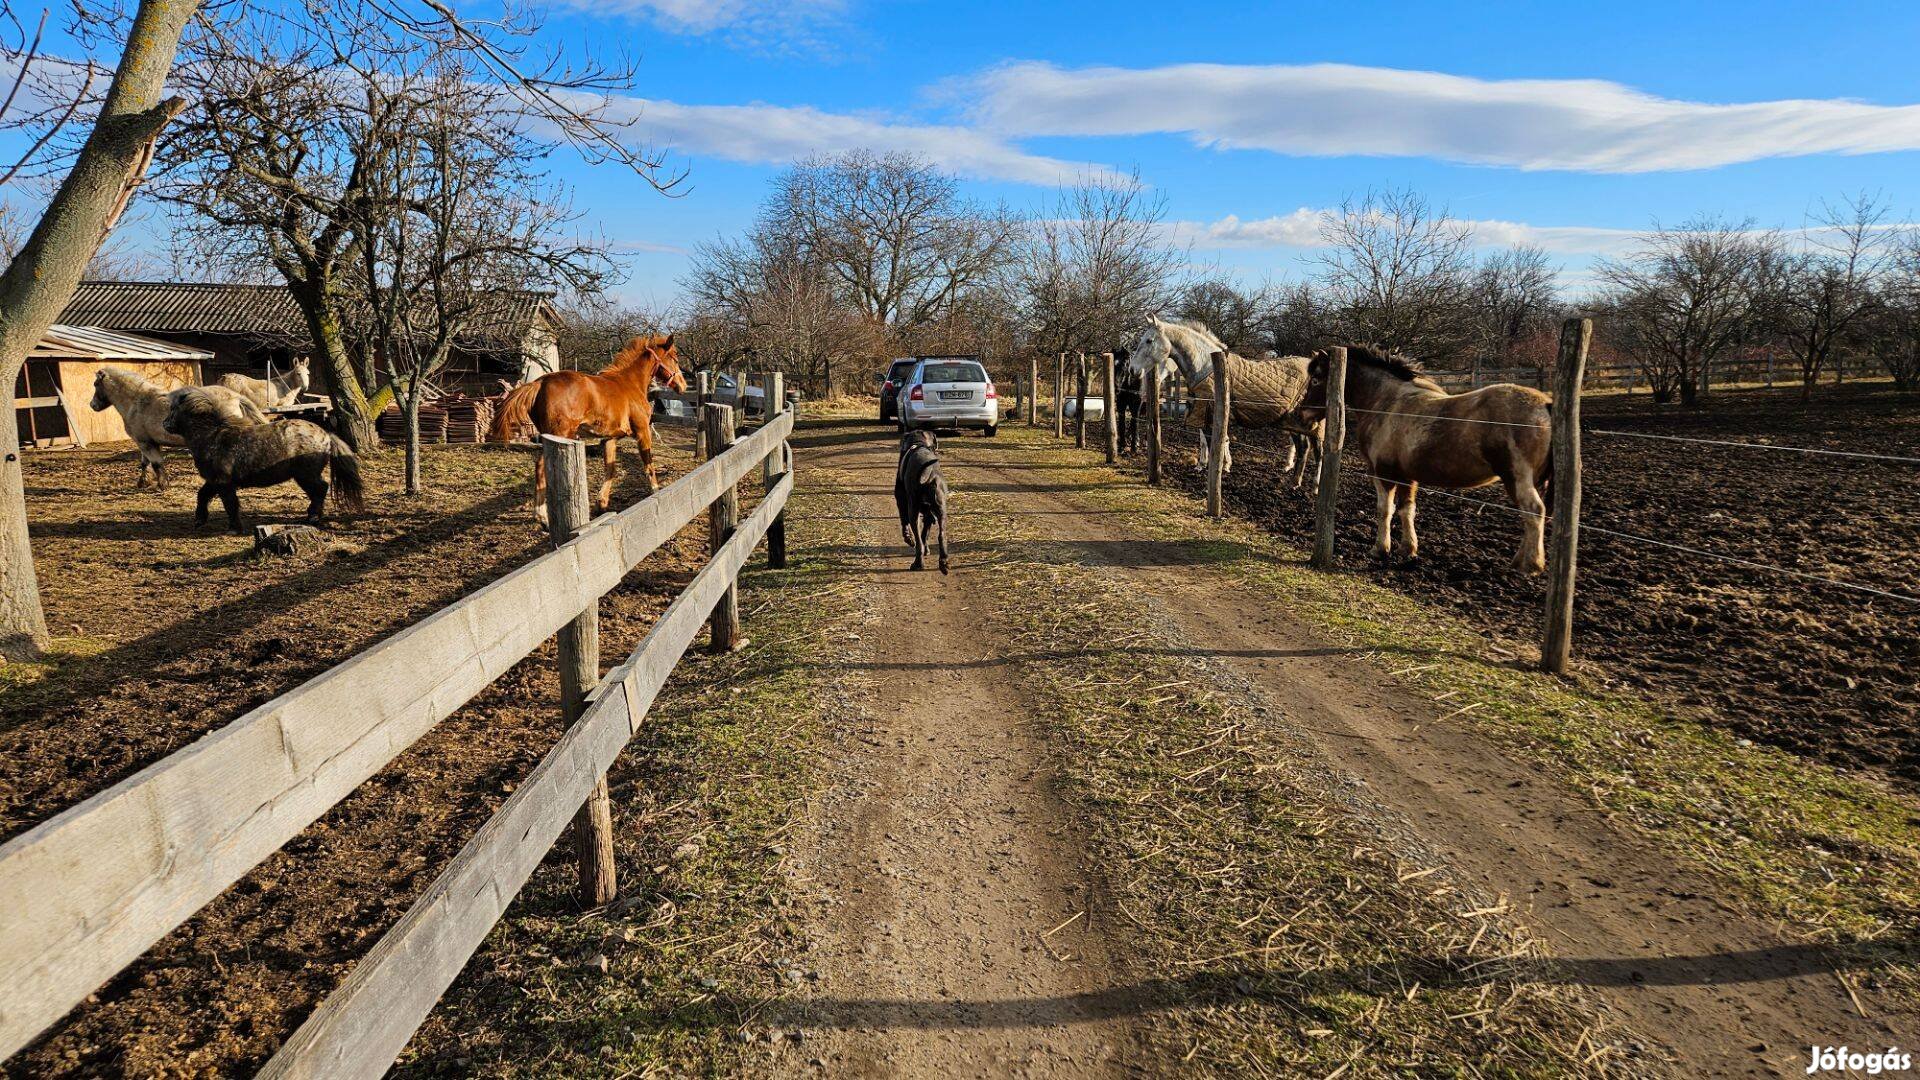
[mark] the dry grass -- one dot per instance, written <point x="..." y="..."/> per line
<point x="1285" y="932"/>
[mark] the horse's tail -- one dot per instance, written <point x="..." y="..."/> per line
<point x="349" y="490"/>
<point x="516" y="412"/>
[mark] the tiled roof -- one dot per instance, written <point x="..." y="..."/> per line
<point x="266" y="310"/>
<point x="65" y="342"/>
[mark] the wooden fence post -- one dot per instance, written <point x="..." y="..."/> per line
<point x="702" y="389"/>
<point x="1080" y="402"/>
<point x="722" y="516"/>
<point x="1556" y="646"/>
<point x="578" y="645"/>
<point x="1060" y="397"/>
<point x="1033" y="386"/>
<point x="1153" y="424"/>
<point x="1217" y="453"/>
<point x="1326" y="500"/>
<point x="774" y="401"/>
<point x="1113" y="413"/>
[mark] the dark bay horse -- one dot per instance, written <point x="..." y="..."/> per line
<point x="1412" y="432"/>
<point x="607" y="406"/>
<point x="234" y="452"/>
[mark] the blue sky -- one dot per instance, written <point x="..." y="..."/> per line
<point x="1566" y="125"/>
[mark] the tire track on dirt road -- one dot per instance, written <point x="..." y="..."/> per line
<point x="1727" y="995"/>
<point x="955" y="932"/>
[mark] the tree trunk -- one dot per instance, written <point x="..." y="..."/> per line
<point x="410" y="406"/>
<point x="42" y="277"/>
<point x="353" y="417"/>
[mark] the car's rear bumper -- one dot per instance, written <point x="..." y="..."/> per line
<point x="968" y="417"/>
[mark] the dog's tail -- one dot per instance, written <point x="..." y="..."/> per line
<point x="516" y="412"/>
<point x="349" y="491"/>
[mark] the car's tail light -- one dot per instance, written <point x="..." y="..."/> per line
<point x="918" y="394"/>
<point x="990" y="394"/>
<point x="888" y="387"/>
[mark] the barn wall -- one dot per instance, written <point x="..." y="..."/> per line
<point x="76" y="382"/>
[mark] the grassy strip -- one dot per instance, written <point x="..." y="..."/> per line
<point x="1829" y="856"/>
<point x="667" y="980"/>
<point x="1281" y="933"/>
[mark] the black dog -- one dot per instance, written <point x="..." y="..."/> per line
<point x="920" y="491"/>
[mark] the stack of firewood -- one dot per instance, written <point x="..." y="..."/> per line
<point x="450" y="418"/>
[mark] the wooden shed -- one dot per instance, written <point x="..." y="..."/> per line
<point x="52" y="394"/>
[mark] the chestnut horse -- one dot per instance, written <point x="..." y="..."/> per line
<point x="1412" y="432"/>
<point x="607" y="406"/>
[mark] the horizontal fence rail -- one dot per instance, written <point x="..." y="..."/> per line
<point x="85" y="893"/>
<point x="366" y="1023"/>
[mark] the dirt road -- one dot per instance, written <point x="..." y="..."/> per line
<point x="956" y="935"/>
<point x="942" y="865"/>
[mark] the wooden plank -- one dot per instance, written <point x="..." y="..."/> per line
<point x="87" y="891"/>
<point x="363" y="1026"/>
<point x="1080" y="402"/>
<point x="1060" y="397"/>
<point x="776" y="466"/>
<point x="1556" y="644"/>
<point x="1326" y="497"/>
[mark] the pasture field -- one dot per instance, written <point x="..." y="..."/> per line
<point x="1782" y="660"/>
<point x="168" y="633"/>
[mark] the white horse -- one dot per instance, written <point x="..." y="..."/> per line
<point x="1262" y="393"/>
<point x="275" y="392"/>
<point x="143" y="406"/>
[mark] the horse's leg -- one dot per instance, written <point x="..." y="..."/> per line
<point x="200" y="504"/>
<point x="1383" y="493"/>
<point x="230" y="498"/>
<point x="1293" y="450"/>
<point x="1532" y="556"/>
<point x="540" y="488"/>
<point x="315" y="485"/>
<point x="160" y="468"/>
<point x="643" y="437"/>
<point x="610" y="453"/>
<point x="1408" y="493"/>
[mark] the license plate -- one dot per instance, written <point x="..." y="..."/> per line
<point x="955" y="395"/>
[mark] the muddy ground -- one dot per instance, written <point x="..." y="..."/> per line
<point x="167" y="633"/>
<point x="1809" y="667"/>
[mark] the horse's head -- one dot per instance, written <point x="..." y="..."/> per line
<point x="101" y="402"/>
<point x="190" y="409"/>
<point x="1313" y="406"/>
<point x="1151" y="348"/>
<point x="667" y="371"/>
<point x="303" y="373"/>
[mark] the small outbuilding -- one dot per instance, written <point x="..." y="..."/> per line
<point x="53" y="392"/>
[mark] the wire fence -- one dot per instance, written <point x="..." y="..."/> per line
<point x="1603" y="530"/>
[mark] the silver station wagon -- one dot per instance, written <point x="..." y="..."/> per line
<point x="948" y="392"/>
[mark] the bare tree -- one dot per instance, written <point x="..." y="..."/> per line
<point x="1095" y="267"/>
<point x="1514" y="299"/>
<point x="1299" y="319"/>
<point x="1400" y="271"/>
<point x="762" y="301"/>
<point x="1686" y="297"/>
<point x="1825" y="293"/>
<point x="457" y="219"/>
<point x="1234" y="314"/>
<point x="1891" y="329"/>
<point x="292" y="116"/>
<point x="42" y="275"/>
<point x="892" y="232"/>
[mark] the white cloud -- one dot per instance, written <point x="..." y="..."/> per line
<point x="1301" y="229"/>
<point x="1338" y="109"/>
<point x="753" y="23"/>
<point x="776" y="134"/>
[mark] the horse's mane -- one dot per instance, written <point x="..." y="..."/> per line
<point x="1199" y="329"/>
<point x="1401" y="367"/>
<point x="128" y="376"/>
<point x="637" y="350"/>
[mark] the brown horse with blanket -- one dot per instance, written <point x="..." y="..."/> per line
<point x="1262" y="393"/>
<point x="615" y="403"/>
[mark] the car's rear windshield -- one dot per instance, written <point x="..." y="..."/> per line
<point x="953" y="373"/>
<point x="899" y="368"/>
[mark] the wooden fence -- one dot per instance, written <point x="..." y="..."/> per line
<point x="85" y="893"/>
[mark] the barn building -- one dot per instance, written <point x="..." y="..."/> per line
<point x="254" y="329"/>
<point x="54" y="388"/>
